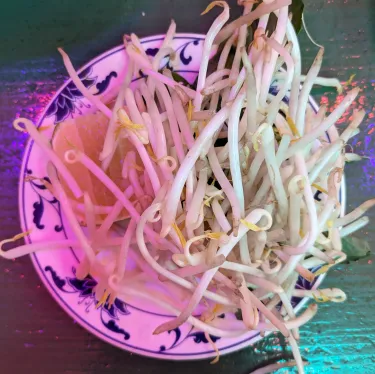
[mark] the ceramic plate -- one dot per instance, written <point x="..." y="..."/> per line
<point x="127" y="326"/>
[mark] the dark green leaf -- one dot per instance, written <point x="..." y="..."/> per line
<point x="277" y="134"/>
<point x="178" y="78"/>
<point x="355" y="248"/>
<point x="229" y="63"/>
<point x="249" y="36"/>
<point x="238" y="314"/>
<point x="296" y="8"/>
<point x="271" y="25"/>
<point x="195" y="83"/>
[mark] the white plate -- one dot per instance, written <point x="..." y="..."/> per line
<point x="126" y="326"/>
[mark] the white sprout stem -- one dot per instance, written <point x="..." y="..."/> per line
<point x="192" y="270"/>
<point x="254" y="169"/>
<point x="113" y="214"/>
<point x="135" y="115"/>
<point x="234" y="159"/>
<point x="273" y="107"/>
<point x="266" y="266"/>
<point x="264" y="284"/>
<point x="124" y="250"/>
<point x="167" y="42"/>
<point x="150" y="129"/>
<point x="220" y="66"/>
<point x="98" y="209"/>
<point x="274" y="171"/>
<point x="160" y="269"/>
<point x="250" y="314"/>
<point x="354" y="214"/>
<point x="329" y="154"/>
<point x="283" y="147"/>
<point x="144" y="64"/>
<point x="138" y="44"/>
<point x="261" y="239"/>
<point x="309" y="239"/>
<point x="281" y="125"/>
<point x="241" y="40"/>
<point x="216" y="87"/>
<point x="354" y="226"/>
<point x="226" y="187"/>
<point x="44" y="144"/>
<point x="296" y="354"/>
<point x="351" y="130"/>
<point x="325" y="125"/>
<point x="172" y="121"/>
<point x="182" y="120"/>
<point x="69" y="213"/>
<point x="321" y="255"/>
<point x="280" y="325"/>
<point x="296" y="55"/>
<point x="73" y="156"/>
<point x="313" y="261"/>
<point x="258" y="69"/>
<point x="110" y="138"/>
<point x="203" y="115"/>
<point x="194" y="208"/>
<point x="262" y="9"/>
<point x="207" y="46"/>
<point x="306" y="88"/>
<point x="26" y="249"/>
<point x="269" y="66"/>
<point x="89" y="215"/>
<point x="161" y="150"/>
<point x="216" y="76"/>
<point x="290" y="311"/>
<point x="194" y="321"/>
<point x="220" y="216"/>
<point x="254" y="217"/>
<point x="319" y="81"/>
<point x="223" y="153"/>
<point x="334" y="295"/>
<point x="326" y="213"/>
<point x="251" y="96"/>
<point x="140" y="103"/>
<point x="295" y="199"/>
<point x="170" y="206"/>
<point x="246" y="269"/>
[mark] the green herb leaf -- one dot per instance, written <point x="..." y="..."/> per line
<point x="355" y="248"/>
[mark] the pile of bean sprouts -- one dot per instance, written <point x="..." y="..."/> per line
<point x="221" y="182"/>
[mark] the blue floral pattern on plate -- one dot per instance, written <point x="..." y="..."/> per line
<point x="85" y="290"/>
<point x="44" y="196"/>
<point x="70" y="100"/>
<point x="181" y="51"/>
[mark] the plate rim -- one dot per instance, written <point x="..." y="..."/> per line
<point x="47" y="283"/>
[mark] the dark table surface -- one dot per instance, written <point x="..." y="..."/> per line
<point x="36" y="336"/>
